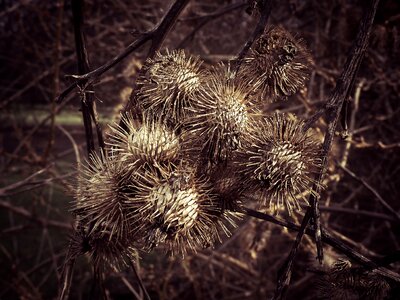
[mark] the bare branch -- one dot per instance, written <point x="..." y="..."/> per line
<point x="156" y="35"/>
<point x="333" y="108"/>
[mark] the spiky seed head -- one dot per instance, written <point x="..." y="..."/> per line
<point x="226" y="185"/>
<point x="149" y="142"/>
<point x="178" y="208"/>
<point x="345" y="282"/>
<point x="102" y="250"/>
<point x="103" y="209"/>
<point x="279" y="160"/>
<point x="169" y="84"/>
<point x="228" y="190"/>
<point x="223" y="114"/>
<point x="278" y="65"/>
<point x="179" y="211"/>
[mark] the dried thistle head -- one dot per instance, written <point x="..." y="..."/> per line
<point x="150" y="142"/>
<point x="279" y="160"/>
<point x="102" y="250"/>
<point x="278" y="65"/>
<point x="179" y="210"/>
<point x="169" y="84"/>
<point x="104" y="210"/>
<point x="222" y="116"/>
<point x="226" y="185"/>
<point x="227" y="188"/>
<point x="343" y="281"/>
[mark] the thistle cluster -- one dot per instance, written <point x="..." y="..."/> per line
<point x="174" y="175"/>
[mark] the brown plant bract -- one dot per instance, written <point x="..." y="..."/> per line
<point x="277" y="66"/>
<point x="106" y="210"/>
<point x="169" y="85"/>
<point x="222" y="116"/>
<point x="278" y="160"/>
<point x="179" y="211"/>
<point x="345" y="282"/>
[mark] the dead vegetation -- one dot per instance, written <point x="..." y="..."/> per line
<point x="42" y="141"/>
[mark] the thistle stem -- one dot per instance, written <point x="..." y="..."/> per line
<point x="142" y="287"/>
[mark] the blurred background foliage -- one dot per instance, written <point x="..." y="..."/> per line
<point x="41" y="142"/>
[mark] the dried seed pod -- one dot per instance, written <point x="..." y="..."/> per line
<point x="226" y="185"/>
<point x="179" y="210"/>
<point x="105" y="212"/>
<point x="279" y="160"/>
<point x="228" y="191"/>
<point x="222" y="116"/>
<point x="278" y="65"/>
<point x="169" y="84"/>
<point x="150" y="142"/>
<point x="346" y="282"/>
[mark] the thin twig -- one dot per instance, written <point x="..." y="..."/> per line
<point x="207" y="18"/>
<point x="126" y="282"/>
<point x="87" y="99"/>
<point x="285" y="272"/>
<point x="5" y="190"/>
<point x="57" y="52"/>
<point x="29" y="215"/>
<point x="332" y="110"/>
<point x="354" y="110"/>
<point x="373" y="191"/>
<point x="357" y="212"/>
<point x="142" y="287"/>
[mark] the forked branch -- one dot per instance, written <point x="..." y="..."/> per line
<point x="156" y="36"/>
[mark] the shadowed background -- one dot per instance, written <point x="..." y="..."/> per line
<point x="42" y="141"/>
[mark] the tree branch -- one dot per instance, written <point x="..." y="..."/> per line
<point x="156" y="35"/>
<point x="333" y="108"/>
<point x="83" y="67"/>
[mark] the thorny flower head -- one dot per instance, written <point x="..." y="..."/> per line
<point x="179" y="211"/>
<point x="279" y="160"/>
<point x="149" y="142"/>
<point x="223" y="114"/>
<point x="277" y="66"/>
<point x="169" y="84"/>
<point x="105" y="211"/>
